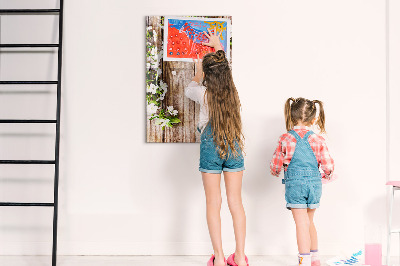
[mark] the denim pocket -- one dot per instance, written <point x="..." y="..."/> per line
<point x="293" y="190"/>
<point x="207" y="148"/>
<point x="317" y="190"/>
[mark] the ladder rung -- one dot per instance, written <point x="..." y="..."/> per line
<point x="33" y="45"/>
<point x="26" y="121"/>
<point x="27" y="161"/>
<point x="29" y="82"/>
<point x="29" y="204"/>
<point x="28" y="11"/>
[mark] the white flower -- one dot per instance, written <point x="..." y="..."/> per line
<point x="162" y="122"/>
<point x="155" y="64"/>
<point x="159" y="72"/>
<point x="155" y="35"/>
<point x="160" y="54"/>
<point x="151" y="108"/>
<point x="163" y="87"/>
<point x="147" y="65"/>
<point x="148" y="28"/>
<point x="152" y="88"/>
<point x="153" y="51"/>
<point x="171" y="111"/>
<point x="161" y="98"/>
<point x="152" y="59"/>
<point x="173" y="73"/>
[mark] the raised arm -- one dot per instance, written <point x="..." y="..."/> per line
<point x="213" y="41"/>
<point x="199" y="70"/>
<point x="194" y="90"/>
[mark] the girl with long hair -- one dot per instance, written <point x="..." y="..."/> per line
<point x="221" y="147"/>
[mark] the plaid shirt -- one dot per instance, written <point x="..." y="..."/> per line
<point x="287" y="144"/>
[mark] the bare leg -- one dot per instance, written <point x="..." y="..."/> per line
<point x="302" y="221"/>
<point x="233" y="183"/>
<point x="212" y="188"/>
<point x="313" y="230"/>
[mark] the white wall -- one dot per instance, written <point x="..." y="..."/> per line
<point x="394" y="110"/>
<point x="120" y="195"/>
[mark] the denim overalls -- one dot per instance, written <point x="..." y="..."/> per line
<point x="211" y="162"/>
<point x="302" y="181"/>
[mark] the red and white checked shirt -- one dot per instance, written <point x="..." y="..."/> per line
<point x="287" y="144"/>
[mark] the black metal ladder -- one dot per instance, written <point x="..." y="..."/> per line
<point x="57" y="82"/>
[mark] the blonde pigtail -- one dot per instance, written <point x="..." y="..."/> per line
<point x="288" y="114"/>
<point x="321" y="116"/>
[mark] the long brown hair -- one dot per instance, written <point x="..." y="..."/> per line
<point x="223" y="104"/>
<point x="303" y="110"/>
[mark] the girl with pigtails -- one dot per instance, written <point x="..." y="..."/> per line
<point x="302" y="154"/>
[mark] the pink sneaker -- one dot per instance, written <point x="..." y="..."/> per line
<point x="316" y="263"/>
<point x="231" y="260"/>
<point x="211" y="261"/>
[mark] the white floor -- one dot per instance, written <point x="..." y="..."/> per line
<point x="136" y="260"/>
<point x="143" y="260"/>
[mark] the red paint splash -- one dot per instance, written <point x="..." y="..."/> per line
<point x="181" y="46"/>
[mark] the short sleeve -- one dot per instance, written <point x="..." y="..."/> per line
<point x="195" y="91"/>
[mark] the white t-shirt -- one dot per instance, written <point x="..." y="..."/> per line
<point x="196" y="92"/>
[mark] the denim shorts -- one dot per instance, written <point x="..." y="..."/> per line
<point x="210" y="160"/>
<point x="303" y="193"/>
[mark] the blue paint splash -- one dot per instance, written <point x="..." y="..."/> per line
<point x="198" y="28"/>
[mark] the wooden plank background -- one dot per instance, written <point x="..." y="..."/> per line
<point x="177" y="75"/>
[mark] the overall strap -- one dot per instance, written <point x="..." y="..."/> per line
<point x="308" y="134"/>
<point x="303" y="164"/>
<point x="294" y="133"/>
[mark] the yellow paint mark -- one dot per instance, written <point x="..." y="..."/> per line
<point x="219" y="26"/>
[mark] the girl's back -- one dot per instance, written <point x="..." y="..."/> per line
<point x="287" y="146"/>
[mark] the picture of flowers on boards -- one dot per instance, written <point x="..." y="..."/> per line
<point x="171" y="45"/>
